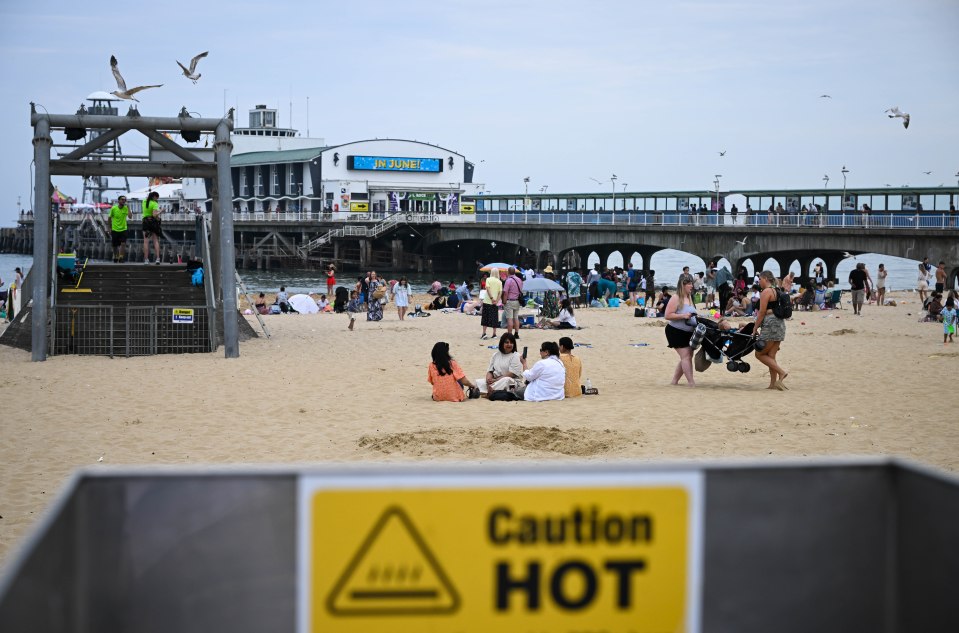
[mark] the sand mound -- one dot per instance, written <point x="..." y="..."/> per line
<point x="578" y="441"/>
<point x="842" y="332"/>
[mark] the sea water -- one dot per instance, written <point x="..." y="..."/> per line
<point x="667" y="263"/>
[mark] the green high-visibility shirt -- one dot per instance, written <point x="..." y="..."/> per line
<point x="150" y="208"/>
<point x="118" y="217"/>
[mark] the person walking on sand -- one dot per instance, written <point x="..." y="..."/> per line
<point x="119" y="214"/>
<point x="490" y="315"/>
<point x="151" y="226"/>
<point x="353" y="307"/>
<point x="771" y="331"/>
<point x="401" y="295"/>
<point x="858" y="283"/>
<point x="680" y="317"/>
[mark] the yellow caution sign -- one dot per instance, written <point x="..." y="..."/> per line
<point x="620" y="555"/>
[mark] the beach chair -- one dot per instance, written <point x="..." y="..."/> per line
<point x="834" y="299"/>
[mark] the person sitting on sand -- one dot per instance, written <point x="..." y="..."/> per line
<point x="322" y="303"/>
<point x="662" y="302"/>
<point x="447" y="377"/>
<point x="547" y="379"/>
<point x="260" y="304"/>
<point x="734" y="307"/>
<point x="574" y="368"/>
<point x="435" y="288"/>
<point x="565" y="321"/>
<point x="505" y="367"/>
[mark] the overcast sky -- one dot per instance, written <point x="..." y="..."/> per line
<point x="557" y="90"/>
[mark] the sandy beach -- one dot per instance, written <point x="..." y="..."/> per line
<point x="872" y="385"/>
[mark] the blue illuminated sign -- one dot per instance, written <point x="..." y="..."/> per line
<point x="392" y="163"/>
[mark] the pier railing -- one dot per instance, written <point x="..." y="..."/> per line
<point x="895" y="220"/>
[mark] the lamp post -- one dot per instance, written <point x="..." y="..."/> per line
<point x="526" y="196"/>
<point x="842" y="203"/>
<point x="825" y="179"/>
<point x="613" y="180"/>
<point x="716" y="182"/>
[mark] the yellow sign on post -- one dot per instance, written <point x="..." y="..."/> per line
<point x="618" y="554"/>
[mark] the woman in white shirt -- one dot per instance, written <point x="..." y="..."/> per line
<point x="923" y="282"/>
<point x="401" y="295"/>
<point x="547" y="379"/>
<point x="565" y="320"/>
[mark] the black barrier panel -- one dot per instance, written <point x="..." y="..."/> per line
<point x="852" y="546"/>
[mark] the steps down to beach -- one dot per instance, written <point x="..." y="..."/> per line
<point x="131" y="310"/>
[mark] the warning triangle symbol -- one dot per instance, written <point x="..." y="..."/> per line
<point x="393" y="573"/>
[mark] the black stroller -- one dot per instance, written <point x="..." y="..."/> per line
<point x="341" y="298"/>
<point x="717" y="344"/>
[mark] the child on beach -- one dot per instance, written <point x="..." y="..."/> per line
<point x="322" y="303"/>
<point x="353" y="307"/>
<point x="948" y="320"/>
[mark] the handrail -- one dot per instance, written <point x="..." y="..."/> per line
<point x="904" y="220"/>
<point x="208" y="277"/>
<point x="249" y="299"/>
<point x="351" y="231"/>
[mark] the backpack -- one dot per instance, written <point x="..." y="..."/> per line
<point x="783" y="308"/>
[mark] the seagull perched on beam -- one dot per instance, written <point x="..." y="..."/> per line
<point x="896" y="113"/>
<point x="122" y="91"/>
<point x="190" y="73"/>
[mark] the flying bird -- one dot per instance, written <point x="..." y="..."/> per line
<point x="122" y="91"/>
<point x="825" y="96"/>
<point x="896" y="113"/>
<point x="190" y="73"/>
<point x="723" y="153"/>
<point x="847" y="255"/>
<point x="742" y="243"/>
<point x="927" y="172"/>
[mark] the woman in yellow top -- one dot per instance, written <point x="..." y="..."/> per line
<point x="574" y="368"/>
<point x="151" y="226"/>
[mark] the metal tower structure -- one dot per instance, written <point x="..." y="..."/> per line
<point x="94" y="187"/>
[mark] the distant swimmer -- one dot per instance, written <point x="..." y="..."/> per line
<point x="896" y="113"/>
<point x="190" y="73"/>
<point x="123" y="92"/>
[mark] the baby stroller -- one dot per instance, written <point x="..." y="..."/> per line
<point x="717" y="344"/>
<point x="340" y="298"/>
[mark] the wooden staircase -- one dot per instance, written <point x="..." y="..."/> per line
<point x="131" y="310"/>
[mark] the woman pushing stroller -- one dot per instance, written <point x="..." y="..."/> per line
<point x="771" y="330"/>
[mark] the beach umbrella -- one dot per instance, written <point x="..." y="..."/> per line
<point x="540" y="284"/>
<point x="304" y="304"/>
<point x="498" y="265"/>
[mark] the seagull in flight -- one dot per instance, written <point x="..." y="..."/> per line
<point x="190" y="73"/>
<point x="723" y="153"/>
<point x="598" y="182"/>
<point x="847" y="255"/>
<point x="825" y="96"/>
<point x="122" y="91"/>
<point x="896" y="113"/>
<point x="927" y="172"/>
<point x="743" y="242"/>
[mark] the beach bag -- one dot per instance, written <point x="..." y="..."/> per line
<point x="505" y="396"/>
<point x="197" y="278"/>
<point x="783" y="308"/>
<point x="639" y="312"/>
<point x="379" y="293"/>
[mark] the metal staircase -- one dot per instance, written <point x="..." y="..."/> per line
<point x="374" y="231"/>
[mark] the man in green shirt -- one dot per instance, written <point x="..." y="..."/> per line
<point x="151" y="226"/>
<point x="119" y="213"/>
